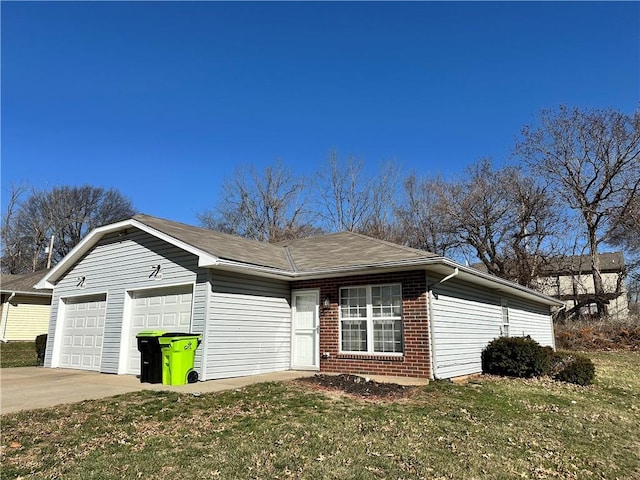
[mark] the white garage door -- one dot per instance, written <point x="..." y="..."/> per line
<point x="158" y="309"/>
<point x="83" y="332"/>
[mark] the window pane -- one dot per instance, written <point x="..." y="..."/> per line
<point x="387" y="336"/>
<point x="353" y="302"/>
<point x="386" y="301"/>
<point x="354" y="335"/>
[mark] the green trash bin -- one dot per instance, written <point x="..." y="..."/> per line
<point x="178" y="356"/>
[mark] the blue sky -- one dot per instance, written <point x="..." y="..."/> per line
<point x="163" y="100"/>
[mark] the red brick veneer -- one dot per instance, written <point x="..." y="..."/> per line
<point x="416" y="360"/>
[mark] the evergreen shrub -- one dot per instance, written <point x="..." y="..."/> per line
<point x="516" y="357"/>
<point x="579" y="370"/>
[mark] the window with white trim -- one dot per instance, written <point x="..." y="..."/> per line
<point x="505" y="318"/>
<point x="371" y="319"/>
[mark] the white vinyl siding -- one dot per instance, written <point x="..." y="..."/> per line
<point x="249" y="327"/>
<point x="465" y="318"/>
<point x="526" y="318"/>
<point x="118" y="264"/>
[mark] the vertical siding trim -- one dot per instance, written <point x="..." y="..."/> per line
<point x="204" y="374"/>
<point x="124" y="331"/>
<point x="431" y="319"/>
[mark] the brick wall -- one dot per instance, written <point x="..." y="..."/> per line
<point x="416" y="359"/>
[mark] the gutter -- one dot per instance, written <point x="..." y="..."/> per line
<point x="5" y="312"/>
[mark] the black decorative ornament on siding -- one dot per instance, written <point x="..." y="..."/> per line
<point x="155" y="272"/>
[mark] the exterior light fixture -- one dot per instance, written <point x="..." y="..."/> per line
<point x="326" y="304"/>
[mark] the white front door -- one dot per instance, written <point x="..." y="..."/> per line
<point x="306" y="331"/>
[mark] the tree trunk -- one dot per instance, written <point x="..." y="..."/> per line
<point x="598" y="286"/>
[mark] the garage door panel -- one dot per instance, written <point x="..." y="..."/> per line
<point x="82" y="334"/>
<point x="159" y="309"/>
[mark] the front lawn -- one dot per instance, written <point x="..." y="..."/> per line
<point x="17" y="354"/>
<point x="489" y="428"/>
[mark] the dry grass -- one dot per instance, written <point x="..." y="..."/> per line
<point x="17" y="354"/>
<point x="600" y="335"/>
<point x="488" y="428"/>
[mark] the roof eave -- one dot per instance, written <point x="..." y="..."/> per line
<point x="506" y="286"/>
<point x="48" y="281"/>
<point x="466" y="273"/>
<point x="25" y="293"/>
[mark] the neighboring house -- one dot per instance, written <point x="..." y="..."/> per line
<point x="570" y="280"/>
<point x="24" y="313"/>
<point x="341" y="302"/>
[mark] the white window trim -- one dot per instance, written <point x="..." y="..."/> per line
<point x="369" y="318"/>
<point x="506" y="322"/>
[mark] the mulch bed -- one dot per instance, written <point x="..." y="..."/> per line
<point x="357" y="386"/>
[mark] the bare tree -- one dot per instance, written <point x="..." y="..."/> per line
<point x="67" y="213"/>
<point x="267" y="206"/>
<point x="422" y="222"/>
<point x="11" y="242"/>
<point x="349" y="199"/>
<point x="506" y="218"/>
<point x="592" y="157"/>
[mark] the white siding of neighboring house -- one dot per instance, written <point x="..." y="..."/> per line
<point x="249" y="328"/>
<point x="465" y="318"/>
<point x="569" y="285"/>
<point x="24" y="318"/>
<point x="117" y="265"/>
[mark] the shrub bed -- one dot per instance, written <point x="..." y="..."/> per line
<point x="516" y="357"/>
<point x="523" y="357"/>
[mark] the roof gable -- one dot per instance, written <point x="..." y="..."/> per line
<point x="221" y="245"/>
<point x="323" y="256"/>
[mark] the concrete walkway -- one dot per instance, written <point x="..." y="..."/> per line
<point x="26" y="388"/>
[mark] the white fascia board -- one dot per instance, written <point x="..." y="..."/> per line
<point x="466" y="273"/>
<point x="204" y="259"/>
<point x="500" y="284"/>
<point x="48" y="281"/>
<point x="258" y="270"/>
<point x="27" y="294"/>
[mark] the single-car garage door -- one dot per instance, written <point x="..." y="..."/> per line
<point x="158" y="309"/>
<point x="82" y="333"/>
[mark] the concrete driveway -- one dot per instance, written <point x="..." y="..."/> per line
<point x="26" y="388"/>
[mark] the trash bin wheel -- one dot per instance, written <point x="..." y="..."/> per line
<point x="192" y="376"/>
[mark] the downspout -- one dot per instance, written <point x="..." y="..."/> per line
<point x="5" y="311"/>
<point x="553" y="330"/>
<point x="456" y="271"/>
<point x="432" y="345"/>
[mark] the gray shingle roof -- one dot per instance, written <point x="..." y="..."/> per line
<point x="221" y="245"/>
<point x="336" y="250"/>
<point x="609" y="262"/>
<point x="347" y="249"/>
<point x="323" y="256"/>
<point x="23" y="283"/>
